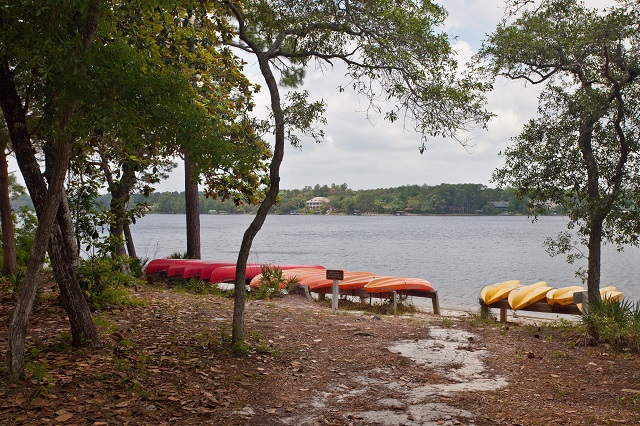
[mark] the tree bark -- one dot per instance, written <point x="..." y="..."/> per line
<point x="596" y="216"/>
<point x="237" y="336"/>
<point x="120" y="193"/>
<point x="192" y="205"/>
<point x="10" y="265"/>
<point x="63" y="257"/>
<point x="24" y="304"/>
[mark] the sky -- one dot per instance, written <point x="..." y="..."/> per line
<point x="373" y="153"/>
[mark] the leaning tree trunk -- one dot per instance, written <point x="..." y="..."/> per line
<point x="24" y="304"/>
<point x="63" y="257"/>
<point x="269" y="200"/>
<point x="192" y="205"/>
<point x="6" y="215"/>
<point x="131" y="248"/>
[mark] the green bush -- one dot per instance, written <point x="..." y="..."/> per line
<point x="271" y="283"/>
<point x="105" y="279"/>
<point x="616" y="322"/>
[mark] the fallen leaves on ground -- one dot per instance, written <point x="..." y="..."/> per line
<point x="168" y="362"/>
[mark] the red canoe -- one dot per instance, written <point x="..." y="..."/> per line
<point x="228" y="273"/>
<point x="357" y="282"/>
<point x="159" y="266"/>
<point x="319" y="282"/>
<point x="195" y="269"/>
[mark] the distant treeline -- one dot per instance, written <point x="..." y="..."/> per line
<point x="409" y="199"/>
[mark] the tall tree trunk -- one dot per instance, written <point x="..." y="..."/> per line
<point x="596" y="216"/>
<point x="24" y="304"/>
<point x="594" y="261"/>
<point x="6" y="215"/>
<point x="63" y="257"/>
<point x="192" y="204"/>
<point x="237" y="336"/>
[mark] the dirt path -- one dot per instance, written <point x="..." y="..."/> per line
<point x="166" y="363"/>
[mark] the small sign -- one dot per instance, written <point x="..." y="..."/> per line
<point x="335" y="274"/>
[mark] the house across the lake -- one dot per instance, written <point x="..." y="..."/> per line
<point x="316" y="203"/>
<point x="501" y="205"/>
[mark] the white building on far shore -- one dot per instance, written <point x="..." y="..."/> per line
<point x="316" y="203"/>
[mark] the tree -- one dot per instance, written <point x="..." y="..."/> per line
<point x="25" y="48"/>
<point x="9" y="261"/>
<point x="582" y="151"/>
<point x="192" y="205"/>
<point x="221" y="144"/>
<point x="181" y="93"/>
<point x="391" y="52"/>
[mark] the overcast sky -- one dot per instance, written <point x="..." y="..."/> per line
<point x="374" y="153"/>
<point x="368" y="154"/>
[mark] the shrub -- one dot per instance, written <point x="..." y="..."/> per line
<point x="104" y="279"/>
<point x="271" y="283"/>
<point x="616" y="322"/>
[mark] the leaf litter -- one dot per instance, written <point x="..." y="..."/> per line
<point x="168" y="362"/>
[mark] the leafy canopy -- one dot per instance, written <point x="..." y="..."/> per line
<point x="395" y="58"/>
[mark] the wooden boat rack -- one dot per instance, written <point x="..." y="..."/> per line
<point x="363" y="295"/>
<point x="541" y="306"/>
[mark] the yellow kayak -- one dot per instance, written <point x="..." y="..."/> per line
<point x="498" y="291"/>
<point x="607" y="293"/>
<point x="610" y="293"/>
<point x="522" y="297"/>
<point x="563" y="296"/>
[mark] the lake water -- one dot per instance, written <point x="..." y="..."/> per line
<point x="458" y="254"/>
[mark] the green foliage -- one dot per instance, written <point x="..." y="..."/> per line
<point x="178" y="255"/>
<point x="485" y="313"/>
<point x="105" y="280"/>
<point x="616" y="322"/>
<point x="16" y="282"/>
<point x="271" y="283"/>
<point x="25" y="231"/>
<point x="396" y="59"/>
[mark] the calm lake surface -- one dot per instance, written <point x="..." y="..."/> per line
<point x="458" y="254"/>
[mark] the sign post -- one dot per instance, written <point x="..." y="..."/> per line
<point x="336" y="275"/>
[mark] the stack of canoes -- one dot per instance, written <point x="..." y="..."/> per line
<point x="520" y="296"/>
<point x="317" y="281"/>
<point x="214" y="271"/>
<point x="312" y="276"/>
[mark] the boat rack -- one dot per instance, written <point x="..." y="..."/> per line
<point x="363" y="294"/>
<point x="541" y="306"/>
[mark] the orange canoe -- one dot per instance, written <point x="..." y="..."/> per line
<point x="291" y="274"/>
<point x="387" y="284"/>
